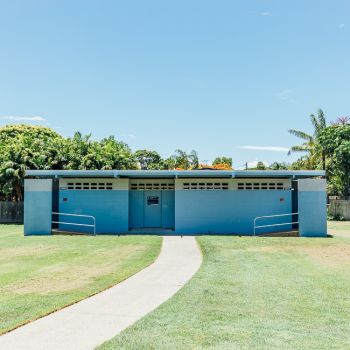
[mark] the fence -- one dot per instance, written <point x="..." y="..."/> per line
<point x="11" y="212"/>
<point x="339" y="208"/>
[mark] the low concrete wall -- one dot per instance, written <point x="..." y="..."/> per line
<point x="339" y="208"/>
<point x="11" y="212"/>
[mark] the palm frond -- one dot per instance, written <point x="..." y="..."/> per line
<point x="321" y="119"/>
<point x="315" y="123"/>
<point x="301" y="148"/>
<point x="301" y="135"/>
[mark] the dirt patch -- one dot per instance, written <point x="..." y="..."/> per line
<point x="339" y="233"/>
<point x="264" y="249"/>
<point x="332" y="256"/>
<point x="15" y="252"/>
<point x="74" y="274"/>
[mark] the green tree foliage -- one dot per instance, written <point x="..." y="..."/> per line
<point x="279" y="166"/>
<point x="149" y="159"/>
<point x="81" y="152"/>
<point x="335" y="140"/>
<point x="25" y="147"/>
<point x="260" y="166"/>
<point x="223" y="160"/>
<point x="316" y="157"/>
<point x="184" y="160"/>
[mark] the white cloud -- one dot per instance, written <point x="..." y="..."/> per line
<point x="285" y="95"/>
<point x="265" y="13"/>
<point x="24" y="119"/>
<point x="265" y="148"/>
<point x="341" y="25"/>
<point x="131" y="136"/>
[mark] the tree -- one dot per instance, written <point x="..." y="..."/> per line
<point x="25" y="147"/>
<point x="279" y="166"/>
<point x="223" y="160"/>
<point x="260" y="166"/>
<point x="116" y="155"/>
<point x="81" y="152"/>
<point x="341" y="121"/>
<point x="335" y="141"/>
<point x="316" y="154"/>
<point x="182" y="160"/>
<point x="149" y="159"/>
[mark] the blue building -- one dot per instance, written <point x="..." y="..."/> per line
<point x="175" y="202"/>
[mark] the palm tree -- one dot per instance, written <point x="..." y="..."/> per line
<point x="311" y="144"/>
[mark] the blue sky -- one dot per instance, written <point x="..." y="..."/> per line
<point x="222" y="77"/>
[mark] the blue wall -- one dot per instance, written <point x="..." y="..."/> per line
<point x="313" y="214"/>
<point x="168" y="209"/>
<point x="208" y="211"/>
<point x="37" y="207"/>
<point x="312" y="201"/>
<point x="110" y="209"/>
<point x="136" y="203"/>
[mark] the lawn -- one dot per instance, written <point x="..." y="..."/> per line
<point x="256" y="293"/>
<point x="44" y="273"/>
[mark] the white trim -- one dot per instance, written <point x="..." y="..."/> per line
<point x="233" y="184"/>
<point x="312" y="185"/>
<point x="151" y="184"/>
<point x="37" y="185"/>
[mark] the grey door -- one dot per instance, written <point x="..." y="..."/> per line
<point x="152" y="208"/>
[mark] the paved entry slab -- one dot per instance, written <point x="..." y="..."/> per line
<point x="92" y="321"/>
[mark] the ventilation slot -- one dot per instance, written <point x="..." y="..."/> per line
<point x="151" y="186"/>
<point x="205" y="186"/>
<point x="260" y="186"/>
<point x="89" y="186"/>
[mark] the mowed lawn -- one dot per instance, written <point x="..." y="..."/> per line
<point x="256" y="293"/>
<point x="40" y="274"/>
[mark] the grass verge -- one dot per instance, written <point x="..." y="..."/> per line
<point x="41" y="274"/>
<point x="256" y="293"/>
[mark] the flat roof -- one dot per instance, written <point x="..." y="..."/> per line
<point x="176" y="173"/>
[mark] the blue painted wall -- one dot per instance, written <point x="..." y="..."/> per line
<point x="229" y="211"/>
<point x="312" y="202"/>
<point x="136" y="206"/>
<point x="37" y="207"/>
<point x="312" y="214"/>
<point x="110" y="209"/>
<point x="168" y="209"/>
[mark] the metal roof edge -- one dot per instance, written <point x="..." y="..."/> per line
<point x="177" y="173"/>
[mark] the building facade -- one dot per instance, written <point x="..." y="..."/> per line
<point x="175" y="202"/>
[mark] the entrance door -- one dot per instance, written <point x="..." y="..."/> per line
<point x="152" y="208"/>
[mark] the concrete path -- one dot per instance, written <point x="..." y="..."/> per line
<point x="92" y="321"/>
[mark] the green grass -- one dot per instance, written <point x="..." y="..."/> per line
<point x="256" y="293"/>
<point x="44" y="273"/>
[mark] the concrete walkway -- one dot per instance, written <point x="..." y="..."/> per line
<point x="92" y="321"/>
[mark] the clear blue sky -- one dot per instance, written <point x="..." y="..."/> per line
<point x="207" y="75"/>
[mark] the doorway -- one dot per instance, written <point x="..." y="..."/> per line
<point x="152" y="204"/>
<point x="152" y="209"/>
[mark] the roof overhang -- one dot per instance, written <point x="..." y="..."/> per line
<point x="176" y="173"/>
